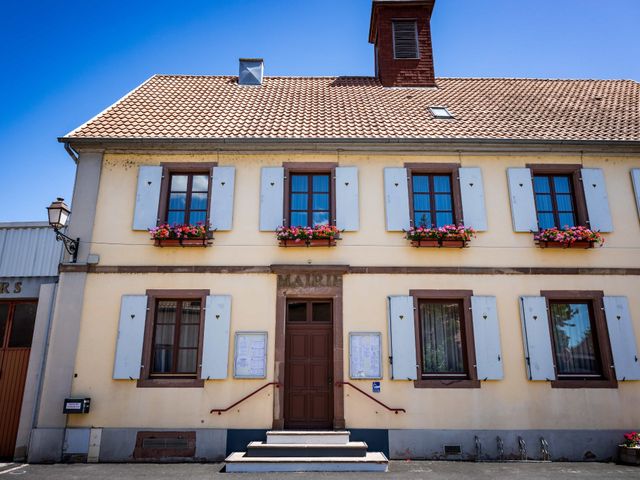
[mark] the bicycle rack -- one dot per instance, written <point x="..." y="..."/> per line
<point x="478" y="448"/>
<point x="523" y="448"/>
<point x="544" y="450"/>
<point x="500" y="448"/>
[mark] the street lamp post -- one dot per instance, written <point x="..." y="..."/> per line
<point x="58" y="216"/>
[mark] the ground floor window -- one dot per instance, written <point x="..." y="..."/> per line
<point x="580" y="342"/>
<point x="446" y="354"/>
<point x="172" y="349"/>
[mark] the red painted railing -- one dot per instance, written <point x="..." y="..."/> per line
<point x="220" y="411"/>
<point x="391" y="409"/>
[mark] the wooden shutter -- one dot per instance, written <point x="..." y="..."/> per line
<point x="474" y="213"/>
<point x="133" y="315"/>
<point x="523" y="207"/>
<point x="635" y="179"/>
<point x="347" y="212"/>
<point x="622" y="338"/>
<point x="215" y="340"/>
<point x="486" y="335"/>
<point x="222" y="186"/>
<point x="595" y="194"/>
<point x="402" y="338"/>
<point x="396" y="193"/>
<point x="145" y="215"/>
<point x="537" y="340"/>
<point x="271" y="198"/>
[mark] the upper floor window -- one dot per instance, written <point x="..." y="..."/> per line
<point x="435" y="199"/>
<point x="559" y="198"/>
<point x="555" y="202"/>
<point x="310" y="199"/>
<point x="188" y="200"/>
<point x="405" y="39"/>
<point x="185" y="193"/>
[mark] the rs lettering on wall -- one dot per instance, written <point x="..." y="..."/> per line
<point x="7" y="288"/>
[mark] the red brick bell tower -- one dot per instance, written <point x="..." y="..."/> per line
<point x="401" y="33"/>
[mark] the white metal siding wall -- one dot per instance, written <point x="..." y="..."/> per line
<point x="28" y="251"/>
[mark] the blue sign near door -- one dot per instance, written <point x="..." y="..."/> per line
<point x="375" y="387"/>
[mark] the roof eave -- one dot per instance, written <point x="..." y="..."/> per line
<point x="631" y="146"/>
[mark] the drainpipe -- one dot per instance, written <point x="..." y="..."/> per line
<point x="72" y="153"/>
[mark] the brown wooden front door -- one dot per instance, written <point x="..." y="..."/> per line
<point x="308" y="389"/>
<point x="16" y="329"/>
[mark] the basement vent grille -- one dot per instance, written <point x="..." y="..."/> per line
<point x="165" y="443"/>
<point x="405" y="39"/>
<point x="452" y="450"/>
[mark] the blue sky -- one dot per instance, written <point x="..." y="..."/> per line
<point x="63" y="62"/>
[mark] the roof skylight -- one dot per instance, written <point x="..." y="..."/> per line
<point x="440" y="112"/>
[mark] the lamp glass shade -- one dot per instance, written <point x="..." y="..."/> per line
<point x="58" y="213"/>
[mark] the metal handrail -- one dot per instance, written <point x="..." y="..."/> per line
<point x="220" y="411"/>
<point x="391" y="409"/>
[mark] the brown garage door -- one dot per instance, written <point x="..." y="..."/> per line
<point x="16" y="329"/>
<point x="309" y="368"/>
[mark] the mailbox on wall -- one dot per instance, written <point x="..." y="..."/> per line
<point x="76" y="405"/>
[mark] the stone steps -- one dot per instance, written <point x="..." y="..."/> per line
<point x="372" y="462"/>
<point x="307" y="451"/>
<point x="350" y="449"/>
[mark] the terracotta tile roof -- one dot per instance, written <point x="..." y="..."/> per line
<point x="202" y="107"/>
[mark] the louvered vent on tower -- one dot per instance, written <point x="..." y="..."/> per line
<point x="405" y="39"/>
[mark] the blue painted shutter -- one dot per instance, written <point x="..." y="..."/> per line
<point x="145" y="215"/>
<point x="523" y="207"/>
<point x="595" y="194"/>
<point x="271" y="198"/>
<point x="215" y="340"/>
<point x="474" y="213"/>
<point x="402" y="338"/>
<point x="128" y="359"/>
<point x="486" y="335"/>
<point x="222" y="186"/>
<point x="396" y="194"/>
<point x="622" y="338"/>
<point x="635" y="179"/>
<point x="347" y="212"/>
<point x="537" y="341"/>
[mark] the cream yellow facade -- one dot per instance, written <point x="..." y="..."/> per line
<point x="513" y="403"/>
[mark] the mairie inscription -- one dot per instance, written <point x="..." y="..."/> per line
<point x="309" y="280"/>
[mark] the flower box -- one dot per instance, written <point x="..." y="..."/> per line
<point x="179" y="235"/>
<point x="454" y="243"/>
<point x="447" y="236"/>
<point x="629" y="455"/>
<point x="181" y="242"/>
<point x="425" y="243"/>
<point x="318" y="236"/>
<point x="316" y="242"/>
<point x="576" y="244"/>
<point x="568" y="237"/>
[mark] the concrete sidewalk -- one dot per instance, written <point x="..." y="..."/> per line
<point x="400" y="470"/>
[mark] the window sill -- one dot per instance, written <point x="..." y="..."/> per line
<point x="450" y="383"/>
<point x="584" y="384"/>
<point x="580" y="244"/>
<point x="183" y="242"/>
<point x="438" y="244"/>
<point x="170" y="383"/>
<point x="325" y="242"/>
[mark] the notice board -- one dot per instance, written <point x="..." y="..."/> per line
<point x="250" y="355"/>
<point x="365" y="355"/>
